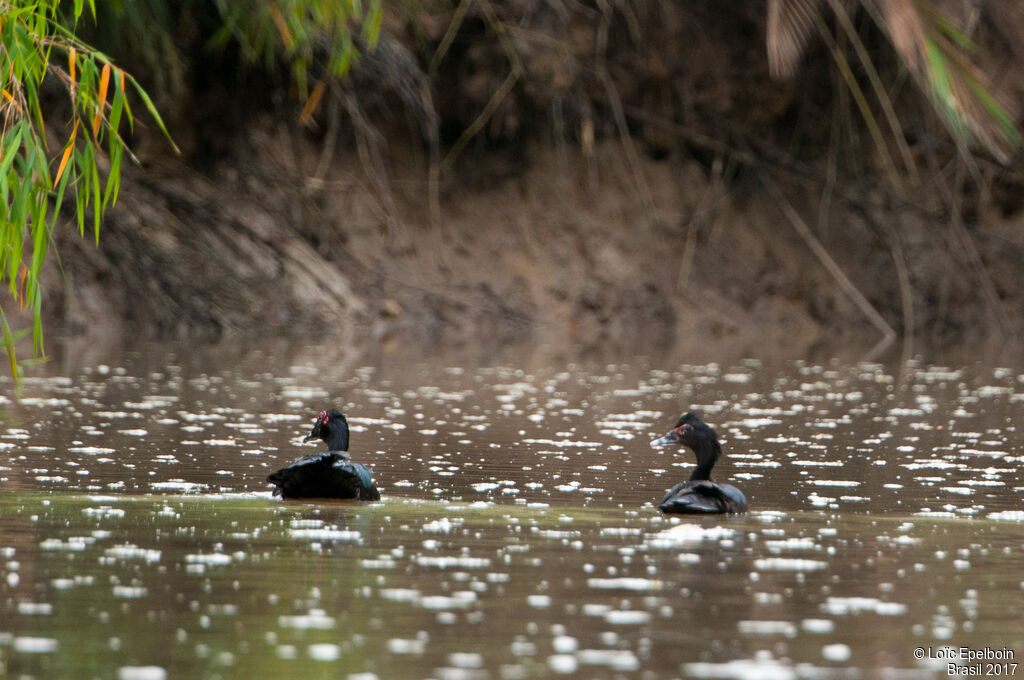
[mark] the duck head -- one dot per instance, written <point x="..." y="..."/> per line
<point x="689" y="431"/>
<point x="693" y="432"/>
<point x="332" y="428"/>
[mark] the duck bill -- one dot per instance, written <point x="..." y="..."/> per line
<point x="309" y="437"/>
<point x="668" y="440"/>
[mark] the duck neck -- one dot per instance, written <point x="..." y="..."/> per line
<point x="337" y="437"/>
<point x="707" y="453"/>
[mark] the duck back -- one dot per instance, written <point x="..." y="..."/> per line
<point x="325" y="475"/>
<point x="703" y="497"/>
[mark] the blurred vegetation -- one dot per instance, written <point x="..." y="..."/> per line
<point x="933" y="44"/>
<point x="40" y="52"/>
<point x="43" y="56"/>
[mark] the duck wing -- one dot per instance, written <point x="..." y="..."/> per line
<point x="356" y="478"/>
<point x="325" y="475"/>
<point x="703" y="498"/>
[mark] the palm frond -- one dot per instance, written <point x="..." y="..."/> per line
<point x="790" y="24"/>
<point x="940" y="55"/>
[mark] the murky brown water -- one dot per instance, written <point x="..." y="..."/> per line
<point x="517" y="536"/>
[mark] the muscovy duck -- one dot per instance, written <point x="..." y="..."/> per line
<point x="700" y="495"/>
<point x="329" y="474"/>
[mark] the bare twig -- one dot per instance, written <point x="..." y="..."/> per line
<point x="876" y="84"/>
<point x="327" y="155"/>
<point x="847" y="286"/>
<point x="961" y="235"/>
<point x="368" y="145"/>
<point x="831" y="164"/>
<point x="906" y="289"/>
<point x="499" y="95"/>
<point x="706" y="205"/>
<point x="615" y="102"/>
<point x="862" y="103"/>
<point x="449" y="36"/>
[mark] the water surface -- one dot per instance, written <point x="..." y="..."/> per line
<point x="518" y="535"/>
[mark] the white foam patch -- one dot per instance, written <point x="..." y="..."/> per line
<point x="684" y="534"/>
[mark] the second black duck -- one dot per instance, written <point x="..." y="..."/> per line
<point x="699" y="495"/>
<point x="329" y="474"/>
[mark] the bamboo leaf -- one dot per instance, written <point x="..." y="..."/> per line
<point x="101" y="100"/>
<point x="282" y="26"/>
<point x="153" y="112"/>
<point x="113" y="177"/>
<point x="114" y="122"/>
<point x="314" y="98"/>
<point x="58" y="201"/>
<point x="96" y="204"/>
<point x="372" y="25"/>
<point x="10" y="149"/>
<point x="9" y="345"/>
<point x="67" y="153"/>
<point x="39" y="234"/>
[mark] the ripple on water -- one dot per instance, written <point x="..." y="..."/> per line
<point x="616" y="659"/>
<point x="35" y="608"/>
<point x="458" y="600"/>
<point x="1008" y="515"/>
<point x="129" y="551"/>
<point x="788" y="564"/>
<point x="625" y="583"/>
<point x="326" y="534"/>
<point x="324" y="651"/>
<point x="141" y="673"/>
<point x="91" y="450"/>
<point x="178" y="485"/>
<point x="405" y="646"/>
<point x="316" y="619"/>
<point x="129" y="592"/>
<point x="684" y="534"/>
<point x="627" y="617"/>
<point x="836" y="652"/>
<point x="841" y="606"/>
<point x="767" y="628"/>
<point x="208" y="559"/>
<point x="741" y="669"/>
<point x="563" y="664"/>
<point x="35" y="645"/>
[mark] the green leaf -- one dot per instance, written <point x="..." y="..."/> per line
<point x="113" y="178"/>
<point x="9" y="345"/>
<point x="153" y="112"/>
<point x="10" y="148"/>
<point x="96" y="202"/>
<point x="372" y="25"/>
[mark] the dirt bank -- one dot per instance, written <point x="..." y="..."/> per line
<point x="550" y="253"/>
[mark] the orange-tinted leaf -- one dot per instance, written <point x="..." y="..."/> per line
<point x="282" y="27"/>
<point x="101" y="99"/>
<point x="67" y="155"/>
<point x="21" y="287"/>
<point x="72" y="57"/>
<point x="311" y="103"/>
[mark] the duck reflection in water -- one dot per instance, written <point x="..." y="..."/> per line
<point x="699" y="495"/>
